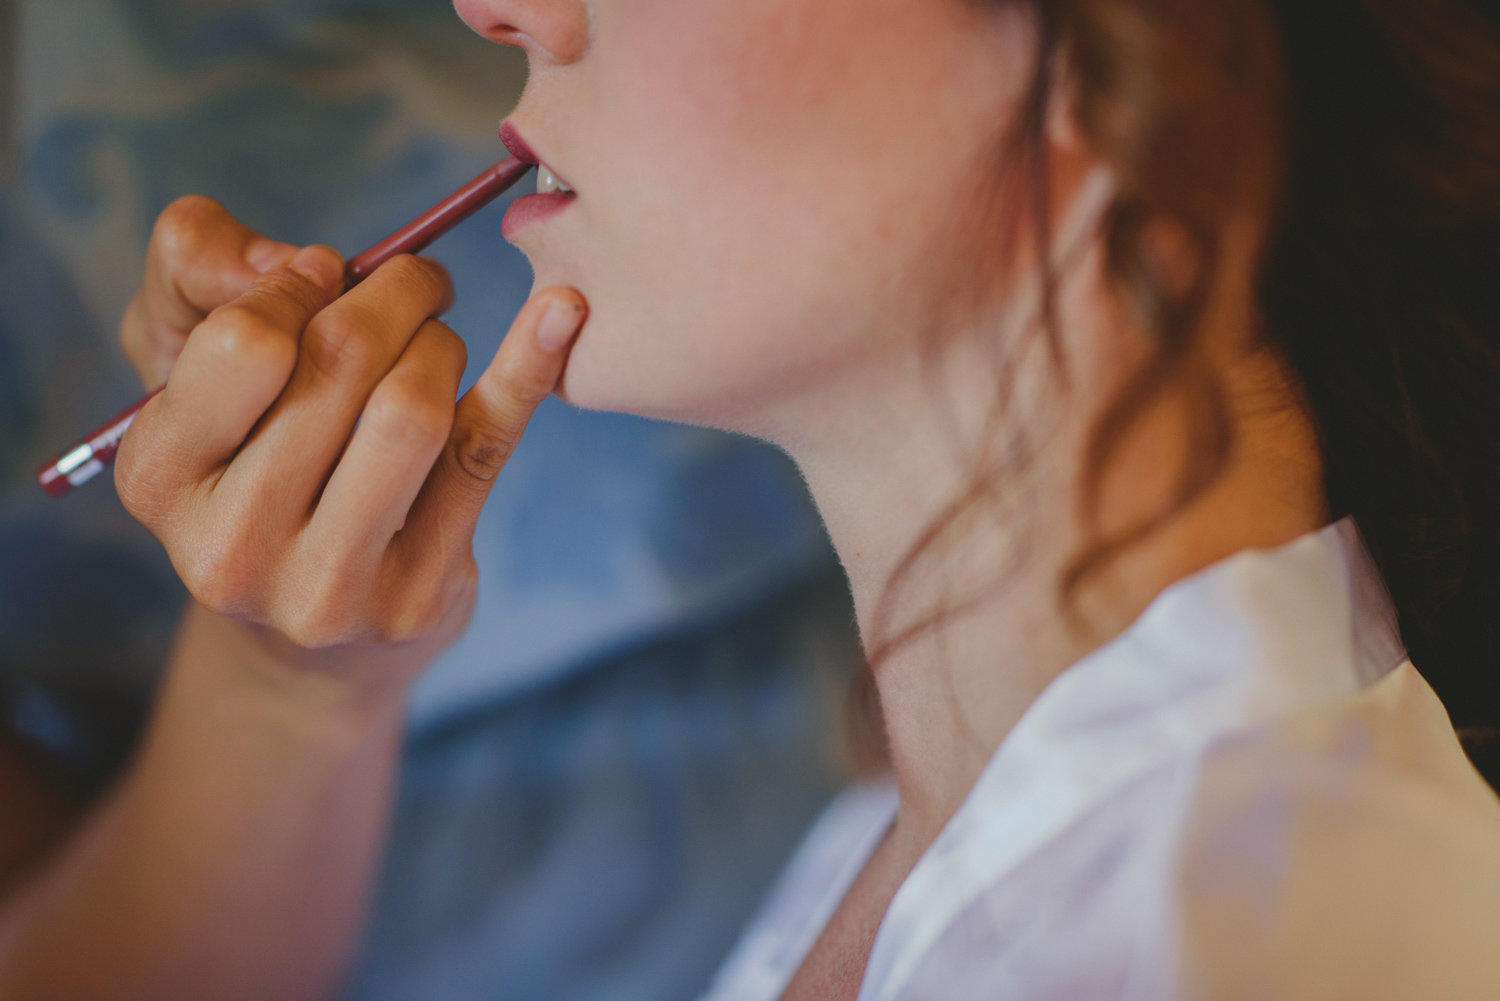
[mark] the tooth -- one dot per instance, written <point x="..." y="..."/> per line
<point x="546" y="183"/>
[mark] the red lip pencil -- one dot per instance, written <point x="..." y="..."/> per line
<point x="90" y="456"/>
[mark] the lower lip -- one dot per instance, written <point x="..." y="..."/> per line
<point x="532" y="210"/>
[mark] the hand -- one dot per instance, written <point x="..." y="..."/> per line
<point x="200" y="258"/>
<point x="341" y="548"/>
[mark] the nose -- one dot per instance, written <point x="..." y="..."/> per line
<point x="554" y="31"/>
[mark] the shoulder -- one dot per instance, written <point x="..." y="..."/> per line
<point x="1350" y="853"/>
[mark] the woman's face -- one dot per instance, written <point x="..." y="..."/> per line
<point x="770" y="194"/>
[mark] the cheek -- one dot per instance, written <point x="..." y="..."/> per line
<point x="772" y="180"/>
<point x="720" y="113"/>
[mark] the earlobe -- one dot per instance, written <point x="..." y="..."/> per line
<point x="556" y="31"/>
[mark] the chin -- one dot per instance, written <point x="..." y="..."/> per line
<point x="611" y="370"/>
<point x="597" y="378"/>
<point x="633" y="357"/>
<point x="600" y="376"/>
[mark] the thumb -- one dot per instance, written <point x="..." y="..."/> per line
<point x="490" y="420"/>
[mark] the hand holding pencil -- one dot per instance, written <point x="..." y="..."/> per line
<point x="306" y="465"/>
<point x="234" y="257"/>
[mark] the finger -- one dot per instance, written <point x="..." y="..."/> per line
<point x="346" y="351"/>
<point x="233" y="368"/>
<point x="200" y="258"/>
<point x="489" y="423"/>
<point x="400" y="436"/>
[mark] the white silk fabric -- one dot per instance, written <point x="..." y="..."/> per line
<point x="1250" y="793"/>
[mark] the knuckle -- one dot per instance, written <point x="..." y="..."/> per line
<point x="218" y="577"/>
<point x="408" y="625"/>
<point x="208" y="592"/>
<point x="333" y="611"/>
<point x="147" y="480"/>
<point x="139" y="492"/>
<point x="408" y="412"/>
<point x="311" y="631"/>
<point x="184" y="227"/>
<point x="245" y="337"/>
<point x="316" y="624"/>
<point x="483" y="449"/>
<point x="527" y="383"/>
<point x="418" y="617"/>
<point x="300" y="632"/>
<point x="236" y="319"/>
<point x="339" y="345"/>
<point x="448" y="345"/>
<point x="422" y="276"/>
<point x="284" y="284"/>
<point x="463" y="584"/>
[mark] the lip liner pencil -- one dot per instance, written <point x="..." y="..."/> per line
<point x="93" y="454"/>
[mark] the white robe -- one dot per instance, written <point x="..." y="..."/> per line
<point x="1250" y="793"/>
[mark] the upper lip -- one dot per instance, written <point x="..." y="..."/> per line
<point x="521" y="149"/>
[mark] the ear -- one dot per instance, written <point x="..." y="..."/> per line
<point x="1083" y="185"/>
<point x="1064" y="133"/>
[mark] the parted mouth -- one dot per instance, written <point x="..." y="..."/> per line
<point x="547" y="179"/>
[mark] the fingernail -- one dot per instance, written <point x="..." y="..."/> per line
<point x="559" y="324"/>
<point x="263" y="254"/>
<point x="319" y="264"/>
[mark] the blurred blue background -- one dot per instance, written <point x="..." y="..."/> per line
<point x="608" y="768"/>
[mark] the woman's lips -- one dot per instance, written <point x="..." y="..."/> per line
<point x="532" y="210"/>
<point x="519" y="148"/>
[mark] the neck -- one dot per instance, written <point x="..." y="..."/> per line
<point x="896" y="451"/>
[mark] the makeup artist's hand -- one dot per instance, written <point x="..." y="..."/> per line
<point x="311" y="541"/>
<point x="200" y="258"/>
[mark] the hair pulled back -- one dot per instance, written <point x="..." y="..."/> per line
<point x="1368" y="133"/>
<point x="1380" y="279"/>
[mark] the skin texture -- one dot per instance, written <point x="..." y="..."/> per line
<point x="784" y="225"/>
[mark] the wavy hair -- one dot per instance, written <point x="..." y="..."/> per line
<point x="1367" y="132"/>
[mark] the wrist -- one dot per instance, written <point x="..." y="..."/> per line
<point x="348" y="690"/>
